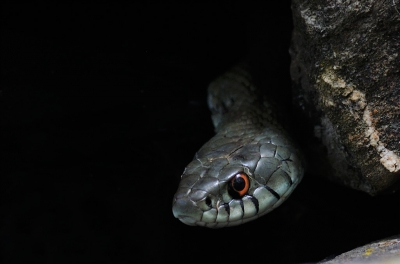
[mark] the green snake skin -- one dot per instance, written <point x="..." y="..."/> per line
<point x="249" y="144"/>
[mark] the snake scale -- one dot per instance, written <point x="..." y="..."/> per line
<point x="247" y="169"/>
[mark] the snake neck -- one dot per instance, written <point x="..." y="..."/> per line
<point x="247" y="169"/>
<point x="236" y="105"/>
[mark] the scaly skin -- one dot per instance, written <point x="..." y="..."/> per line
<point x="249" y="144"/>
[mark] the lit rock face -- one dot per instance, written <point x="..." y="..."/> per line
<point x="346" y="74"/>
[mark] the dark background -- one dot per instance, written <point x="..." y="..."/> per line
<point x="103" y="105"/>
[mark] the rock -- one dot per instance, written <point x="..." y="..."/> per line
<point x="382" y="251"/>
<point x="346" y="74"/>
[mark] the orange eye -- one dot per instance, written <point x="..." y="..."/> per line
<point x="239" y="185"/>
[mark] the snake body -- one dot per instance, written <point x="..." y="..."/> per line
<point x="247" y="169"/>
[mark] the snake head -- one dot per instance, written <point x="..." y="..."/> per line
<point x="234" y="179"/>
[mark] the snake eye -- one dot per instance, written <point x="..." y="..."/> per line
<point x="239" y="185"/>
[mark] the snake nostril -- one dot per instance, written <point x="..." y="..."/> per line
<point x="208" y="201"/>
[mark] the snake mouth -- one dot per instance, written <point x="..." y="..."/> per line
<point x="218" y="225"/>
<point x="187" y="220"/>
<point x="238" y="211"/>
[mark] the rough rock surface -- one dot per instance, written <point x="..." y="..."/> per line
<point x="346" y="73"/>
<point x="382" y="251"/>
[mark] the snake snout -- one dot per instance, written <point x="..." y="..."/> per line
<point x="186" y="211"/>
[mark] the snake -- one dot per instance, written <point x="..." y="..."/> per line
<point x="251" y="165"/>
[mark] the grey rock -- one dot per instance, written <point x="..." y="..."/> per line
<point x="346" y="74"/>
<point x="382" y="251"/>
